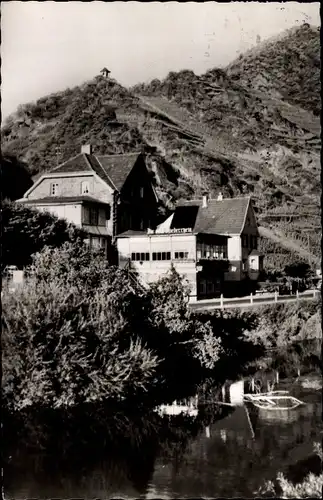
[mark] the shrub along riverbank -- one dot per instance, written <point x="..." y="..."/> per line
<point x="77" y="333"/>
<point x="77" y="336"/>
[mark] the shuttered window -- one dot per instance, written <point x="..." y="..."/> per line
<point x="85" y="187"/>
<point x="54" y="189"/>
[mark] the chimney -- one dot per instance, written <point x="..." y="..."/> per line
<point x="220" y="196"/>
<point x="205" y="200"/>
<point x="87" y="149"/>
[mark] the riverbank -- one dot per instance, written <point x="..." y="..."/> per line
<point x="122" y="440"/>
<point x="78" y="335"/>
<point x="144" y="455"/>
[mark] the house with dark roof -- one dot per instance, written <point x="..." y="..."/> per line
<point x="103" y="194"/>
<point x="212" y="242"/>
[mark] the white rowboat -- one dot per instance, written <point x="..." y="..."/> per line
<point x="275" y="400"/>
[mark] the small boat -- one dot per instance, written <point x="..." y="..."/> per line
<point x="270" y="393"/>
<point x="275" y="400"/>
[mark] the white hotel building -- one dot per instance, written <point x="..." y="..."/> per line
<point x="213" y="243"/>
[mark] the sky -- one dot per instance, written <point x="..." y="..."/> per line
<point x="49" y="46"/>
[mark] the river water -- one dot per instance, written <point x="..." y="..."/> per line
<point x="230" y="457"/>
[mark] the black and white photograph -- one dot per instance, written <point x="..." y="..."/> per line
<point x="161" y="250"/>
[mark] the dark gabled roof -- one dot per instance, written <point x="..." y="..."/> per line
<point x="63" y="199"/>
<point x="96" y="230"/>
<point x="78" y="163"/>
<point x="255" y="253"/>
<point x="113" y="169"/>
<point x="98" y="169"/>
<point x="225" y="216"/>
<point x="184" y="216"/>
<point x="131" y="232"/>
<point x="118" y="167"/>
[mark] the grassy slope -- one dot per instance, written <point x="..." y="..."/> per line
<point x="219" y="130"/>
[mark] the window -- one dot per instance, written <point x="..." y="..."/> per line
<point x="253" y="264"/>
<point x="254" y="242"/>
<point x="94" y="216"/>
<point x="211" y="252"/>
<point x="141" y="256"/>
<point x="85" y="187"/>
<point x="202" y="287"/>
<point x="91" y="216"/>
<point x="98" y="243"/>
<point x="86" y="215"/>
<point x="161" y="255"/>
<point x="181" y="255"/>
<point x="141" y="192"/>
<point x="95" y="242"/>
<point x="54" y="189"/>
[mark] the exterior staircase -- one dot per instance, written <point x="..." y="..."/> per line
<point x="137" y="284"/>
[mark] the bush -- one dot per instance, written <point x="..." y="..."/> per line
<point x="298" y="270"/>
<point x="309" y="487"/>
<point x="78" y="333"/>
<point x="290" y="334"/>
<point x="65" y="344"/>
<point x="26" y="231"/>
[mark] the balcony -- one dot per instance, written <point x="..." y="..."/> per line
<point x="213" y="265"/>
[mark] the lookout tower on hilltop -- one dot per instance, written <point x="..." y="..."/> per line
<point x="105" y="72"/>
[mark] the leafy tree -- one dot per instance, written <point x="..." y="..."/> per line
<point x="298" y="270"/>
<point x="15" y="178"/>
<point x="78" y="333"/>
<point x="186" y="345"/>
<point x="26" y="231"/>
<point x="65" y="343"/>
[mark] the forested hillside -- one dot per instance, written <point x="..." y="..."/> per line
<point x="282" y="64"/>
<point x="251" y="128"/>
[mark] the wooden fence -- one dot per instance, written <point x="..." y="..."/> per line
<point x="252" y="300"/>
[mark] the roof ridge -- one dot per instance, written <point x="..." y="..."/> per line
<point x="105" y="173"/>
<point x="54" y="199"/>
<point x="215" y="199"/>
<point x="119" y="154"/>
<point x="245" y="215"/>
<point x="88" y="161"/>
<point x="64" y="162"/>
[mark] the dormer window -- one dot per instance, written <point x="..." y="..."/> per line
<point x="85" y="187"/>
<point x="54" y="189"/>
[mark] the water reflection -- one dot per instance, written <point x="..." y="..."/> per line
<point x="231" y="454"/>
